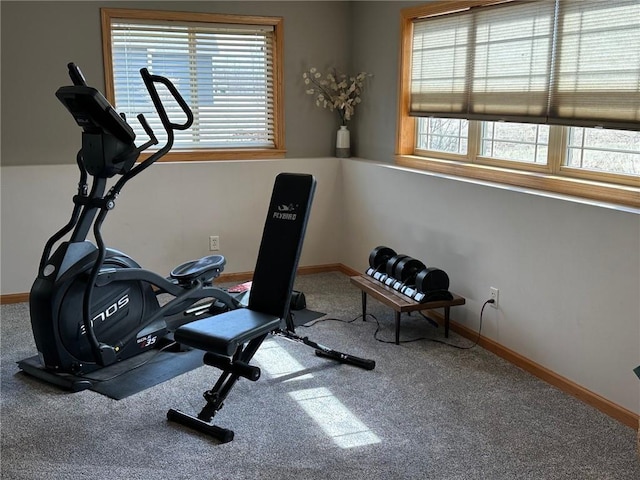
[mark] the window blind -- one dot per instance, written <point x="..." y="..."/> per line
<point x="598" y="68"/>
<point x="224" y="72"/>
<point x="545" y="61"/>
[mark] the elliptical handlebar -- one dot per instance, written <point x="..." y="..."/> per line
<point x="149" y="81"/>
<point x="147" y="128"/>
<point x="110" y="148"/>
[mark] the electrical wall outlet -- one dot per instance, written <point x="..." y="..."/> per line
<point x="214" y="243"/>
<point x="493" y="295"/>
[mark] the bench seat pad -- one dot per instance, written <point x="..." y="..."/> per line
<point x="223" y="333"/>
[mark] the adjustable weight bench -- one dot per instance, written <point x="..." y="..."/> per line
<point x="232" y="338"/>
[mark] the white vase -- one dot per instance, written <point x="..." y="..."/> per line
<point x="343" y="142"/>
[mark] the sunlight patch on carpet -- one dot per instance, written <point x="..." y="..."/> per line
<point x="277" y="362"/>
<point x="336" y="420"/>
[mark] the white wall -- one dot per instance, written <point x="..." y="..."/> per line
<point x="165" y="215"/>
<point x="568" y="273"/>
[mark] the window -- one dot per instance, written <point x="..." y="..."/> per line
<point x="227" y="68"/>
<point x="536" y="94"/>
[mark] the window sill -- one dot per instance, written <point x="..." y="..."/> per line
<point x="619" y="197"/>
<point x="218" y="154"/>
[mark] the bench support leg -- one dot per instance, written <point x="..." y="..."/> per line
<point x="326" y="352"/>
<point x="223" y="435"/>
<point x="217" y="395"/>
<point x="446" y="321"/>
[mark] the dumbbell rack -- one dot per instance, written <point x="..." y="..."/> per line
<point x="408" y="276"/>
<point x="406" y="285"/>
<point x="400" y="303"/>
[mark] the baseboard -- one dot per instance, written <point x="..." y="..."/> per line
<point x="330" y="267"/>
<point x="224" y="278"/>
<point x="308" y="270"/>
<point x="627" y="417"/>
<point x="611" y="409"/>
<point x="14" y="298"/>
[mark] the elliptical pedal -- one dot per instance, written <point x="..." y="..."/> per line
<point x="205" y="269"/>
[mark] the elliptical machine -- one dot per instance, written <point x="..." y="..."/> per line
<point x="92" y="306"/>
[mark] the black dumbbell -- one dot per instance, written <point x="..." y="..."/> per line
<point x="406" y="270"/>
<point x="379" y="257"/>
<point x="390" y="266"/>
<point x="431" y="279"/>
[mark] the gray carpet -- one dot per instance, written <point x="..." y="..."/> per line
<point x="427" y="411"/>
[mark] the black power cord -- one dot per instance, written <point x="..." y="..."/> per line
<point x="328" y="319"/>
<point x="378" y="328"/>
<point x="435" y="340"/>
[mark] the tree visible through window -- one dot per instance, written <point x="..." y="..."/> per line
<point x="600" y="150"/>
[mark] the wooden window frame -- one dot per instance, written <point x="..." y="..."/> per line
<point x="555" y="178"/>
<point x="207" y="154"/>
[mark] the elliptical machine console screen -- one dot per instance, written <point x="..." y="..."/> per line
<point x="94" y="113"/>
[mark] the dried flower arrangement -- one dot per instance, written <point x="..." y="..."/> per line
<point x="336" y="91"/>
